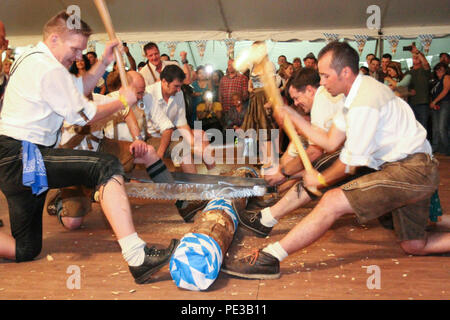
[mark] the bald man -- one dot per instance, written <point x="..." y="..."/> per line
<point x="114" y="136"/>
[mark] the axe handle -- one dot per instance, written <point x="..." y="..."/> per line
<point x="274" y="97"/>
<point x="106" y="18"/>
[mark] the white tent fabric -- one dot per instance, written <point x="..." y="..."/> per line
<point x="190" y="20"/>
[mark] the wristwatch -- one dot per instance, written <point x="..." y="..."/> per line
<point x="139" y="137"/>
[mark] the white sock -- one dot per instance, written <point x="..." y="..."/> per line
<point x="133" y="249"/>
<point x="276" y="250"/>
<point x="267" y="219"/>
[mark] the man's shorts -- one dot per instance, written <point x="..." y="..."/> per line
<point x="404" y="188"/>
<point x="76" y="200"/>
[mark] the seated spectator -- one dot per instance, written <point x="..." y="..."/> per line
<point x="236" y="115"/>
<point x="210" y="113"/>
<point x="396" y="80"/>
<point x="364" y="71"/>
<point x="200" y="87"/>
<point x="80" y="67"/>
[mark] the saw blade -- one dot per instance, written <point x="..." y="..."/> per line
<point x="178" y="191"/>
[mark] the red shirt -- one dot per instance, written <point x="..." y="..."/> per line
<point x="228" y="86"/>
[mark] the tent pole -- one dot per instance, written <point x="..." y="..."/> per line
<point x="192" y="54"/>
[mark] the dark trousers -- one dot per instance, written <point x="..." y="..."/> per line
<point x="64" y="168"/>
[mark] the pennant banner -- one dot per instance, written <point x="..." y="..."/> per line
<point x="230" y="47"/>
<point x="330" y="37"/>
<point x="393" y="42"/>
<point x="361" y="41"/>
<point x="172" y="46"/>
<point x="201" y="46"/>
<point x="425" y="40"/>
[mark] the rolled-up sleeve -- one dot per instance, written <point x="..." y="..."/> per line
<point x="69" y="101"/>
<point x="360" y="127"/>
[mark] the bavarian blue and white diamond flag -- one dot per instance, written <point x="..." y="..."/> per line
<point x="195" y="263"/>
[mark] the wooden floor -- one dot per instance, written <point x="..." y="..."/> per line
<point x="335" y="267"/>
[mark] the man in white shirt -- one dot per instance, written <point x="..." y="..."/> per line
<point x="41" y="94"/>
<point x="307" y="93"/>
<point x="114" y="137"/>
<point x="381" y="132"/>
<point x="152" y="70"/>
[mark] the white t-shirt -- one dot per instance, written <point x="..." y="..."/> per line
<point x="171" y="114"/>
<point x="145" y="71"/>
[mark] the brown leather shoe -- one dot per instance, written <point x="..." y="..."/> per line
<point x="258" y="265"/>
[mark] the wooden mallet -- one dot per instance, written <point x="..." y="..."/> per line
<point x="106" y="18"/>
<point x="257" y="56"/>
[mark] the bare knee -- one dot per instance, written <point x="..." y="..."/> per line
<point x="414" y="247"/>
<point x="72" y="223"/>
<point x="336" y="202"/>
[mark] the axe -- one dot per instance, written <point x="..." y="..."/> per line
<point x="257" y="56"/>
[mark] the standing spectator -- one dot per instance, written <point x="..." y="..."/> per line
<point x="297" y="63"/>
<point x="396" y="80"/>
<point x="385" y="60"/>
<point x="374" y="68"/>
<point x="420" y="77"/>
<point x="369" y="58"/>
<point x="310" y="61"/>
<point x="200" y="87"/>
<point x="3" y="47"/>
<point x="155" y="65"/>
<point x="232" y="82"/>
<point x="286" y="72"/>
<point x="101" y="84"/>
<point x="445" y="58"/>
<point x="281" y="60"/>
<point x="440" y="105"/>
<point x="165" y="57"/>
<point x="216" y="76"/>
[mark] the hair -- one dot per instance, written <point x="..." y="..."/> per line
<point x="93" y="53"/>
<point x="87" y="65"/>
<point x="282" y="56"/>
<point x="149" y="46"/>
<point x="58" y="24"/>
<point x="297" y="59"/>
<point x="113" y="81"/>
<point x="441" y="65"/>
<point x="444" y="54"/>
<point x="370" y="54"/>
<point x="364" y="69"/>
<point x="303" y="78"/>
<point x="283" y="68"/>
<point x="200" y="68"/>
<point x="141" y="64"/>
<point x="397" y="68"/>
<point x="375" y="58"/>
<point x="343" y="56"/>
<point x="171" y="73"/>
<point x="165" y="55"/>
<point x="219" y="74"/>
<point x="387" y="55"/>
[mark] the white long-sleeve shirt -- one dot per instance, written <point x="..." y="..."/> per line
<point x="41" y="94"/>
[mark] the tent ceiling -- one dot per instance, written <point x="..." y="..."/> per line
<point x="188" y="20"/>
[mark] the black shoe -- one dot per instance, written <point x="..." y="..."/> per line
<point x="154" y="260"/>
<point x="54" y="206"/>
<point x="188" y="209"/>
<point x="251" y="220"/>
<point x="258" y="265"/>
<point x="387" y="221"/>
